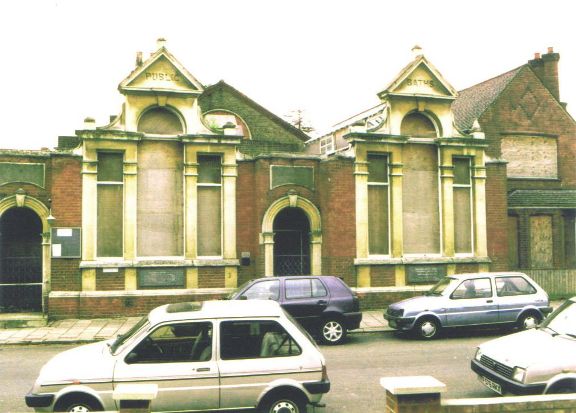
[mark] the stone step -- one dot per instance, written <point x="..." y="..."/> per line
<point x="22" y="320"/>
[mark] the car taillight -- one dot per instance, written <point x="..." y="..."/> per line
<point x="324" y="373"/>
<point x="355" y="303"/>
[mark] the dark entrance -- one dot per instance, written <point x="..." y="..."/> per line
<point x="20" y="261"/>
<point x="291" y="242"/>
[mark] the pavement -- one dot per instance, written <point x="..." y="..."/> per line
<point x="90" y="330"/>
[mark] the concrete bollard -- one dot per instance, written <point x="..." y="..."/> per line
<point x="412" y="394"/>
<point x="135" y="398"/>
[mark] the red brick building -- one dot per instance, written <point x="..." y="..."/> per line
<point x="193" y="190"/>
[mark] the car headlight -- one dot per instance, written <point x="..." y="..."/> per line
<point x="519" y="374"/>
<point x="478" y="355"/>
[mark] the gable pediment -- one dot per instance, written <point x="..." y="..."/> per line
<point x="420" y="78"/>
<point x="161" y="72"/>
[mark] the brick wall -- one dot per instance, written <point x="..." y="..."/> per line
<point x="66" y="274"/>
<point x="66" y="183"/>
<point x="211" y="277"/>
<point x="110" y="281"/>
<point x="337" y="202"/>
<point x="497" y="215"/>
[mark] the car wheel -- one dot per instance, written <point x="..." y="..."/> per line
<point x="78" y="405"/>
<point x="528" y="320"/>
<point x="566" y="388"/>
<point x="427" y="328"/>
<point x="332" y="332"/>
<point x="284" y="404"/>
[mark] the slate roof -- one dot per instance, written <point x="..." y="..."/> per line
<point x="472" y="102"/>
<point x="542" y="198"/>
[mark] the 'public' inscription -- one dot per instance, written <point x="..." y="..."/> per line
<point x="167" y="77"/>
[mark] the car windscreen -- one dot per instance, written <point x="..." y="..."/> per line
<point x="234" y="294"/>
<point x="123" y="338"/>
<point x="440" y="286"/>
<point x="563" y="320"/>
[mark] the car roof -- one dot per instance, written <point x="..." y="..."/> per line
<point x="286" y="277"/>
<point x="215" y="309"/>
<point x="486" y="274"/>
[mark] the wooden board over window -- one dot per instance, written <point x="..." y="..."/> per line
<point x="541" y="247"/>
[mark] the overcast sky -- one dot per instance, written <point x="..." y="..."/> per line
<point x="63" y="59"/>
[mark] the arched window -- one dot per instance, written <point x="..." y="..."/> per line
<point x="416" y="124"/>
<point x="218" y="120"/>
<point x="160" y="121"/>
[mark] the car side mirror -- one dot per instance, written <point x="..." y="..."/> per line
<point x="131" y="358"/>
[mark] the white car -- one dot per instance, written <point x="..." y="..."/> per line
<point x="203" y="356"/>
<point x="536" y="361"/>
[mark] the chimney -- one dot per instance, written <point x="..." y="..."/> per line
<point x="161" y="42"/>
<point x="546" y="68"/>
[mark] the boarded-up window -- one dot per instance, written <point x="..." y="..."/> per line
<point x="378" y="194"/>
<point x="541" y="249"/>
<point x="416" y="124"/>
<point x="570" y="240"/>
<point x="160" y="121"/>
<point x="530" y="156"/>
<point x="513" y="258"/>
<point x="209" y="205"/>
<point x="160" y="226"/>
<point x="421" y="217"/>
<point x="110" y="205"/>
<point x="462" y="190"/>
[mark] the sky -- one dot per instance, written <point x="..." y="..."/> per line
<point x="63" y="59"/>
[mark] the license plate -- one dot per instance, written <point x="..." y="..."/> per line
<point x="490" y="384"/>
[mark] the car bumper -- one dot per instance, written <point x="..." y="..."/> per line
<point x="546" y="310"/>
<point x="352" y="320"/>
<point x="39" y="400"/>
<point x="506" y="385"/>
<point x="400" y="323"/>
<point x="317" y="387"/>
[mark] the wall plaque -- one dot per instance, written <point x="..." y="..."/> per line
<point x="425" y="274"/>
<point x="292" y="175"/>
<point x="161" y="278"/>
<point x="22" y="172"/>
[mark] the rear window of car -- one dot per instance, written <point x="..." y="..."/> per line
<point x="305" y="288"/>
<point x="253" y="339"/>
<point x="509" y="286"/>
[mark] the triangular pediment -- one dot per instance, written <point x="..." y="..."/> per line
<point x="161" y="72"/>
<point x="420" y="78"/>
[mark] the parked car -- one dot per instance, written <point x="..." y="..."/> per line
<point x="499" y="298"/>
<point x="540" y="360"/>
<point x="202" y="356"/>
<point x="324" y="305"/>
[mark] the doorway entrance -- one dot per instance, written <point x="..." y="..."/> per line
<point x="291" y="242"/>
<point x="20" y="261"/>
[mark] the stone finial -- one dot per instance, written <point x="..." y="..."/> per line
<point x="417" y="51"/>
<point x="161" y="42"/>
<point x="89" y="123"/>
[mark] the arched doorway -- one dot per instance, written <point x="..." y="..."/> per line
<point x="20" y="261"/>
<point x="291" y="242"/>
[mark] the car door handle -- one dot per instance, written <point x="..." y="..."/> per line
<point x="322" y="302"/>
<point x="203" y="369"/>
<point x="489" y="301"/>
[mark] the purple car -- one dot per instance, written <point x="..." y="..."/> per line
<point x="324" y="305"/>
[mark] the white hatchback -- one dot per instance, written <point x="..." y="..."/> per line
<point x="202" y="356"/>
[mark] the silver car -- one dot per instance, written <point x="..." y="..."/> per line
<point x="540" y="360"/>
<point x="215" y="355"/>
<point x="473" y="299"/>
